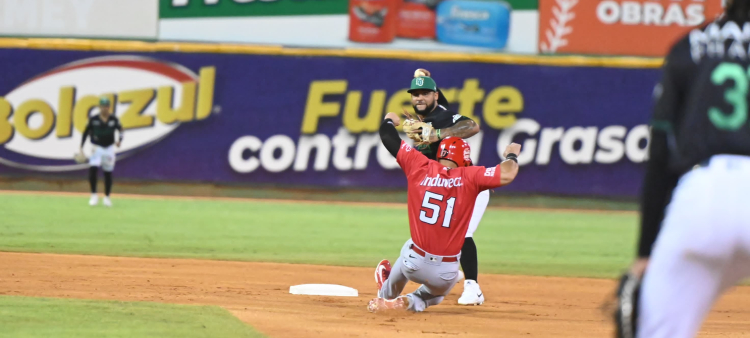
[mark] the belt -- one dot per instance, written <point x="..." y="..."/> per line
<point x="421" y="252"/>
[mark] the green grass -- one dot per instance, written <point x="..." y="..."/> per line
<point x="304" y="193"/>
<point x="534" y="242"/>
<point x="25" y="317"/>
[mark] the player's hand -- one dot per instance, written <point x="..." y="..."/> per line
<point x="394" y="117"/>
<point x="80" y="157"/>
<point x="118" y="144"/>
<point x="639" y="266"/>
<point x="429" y="134"/>
<point x="417" y="130"/>
<point x="513" y="148"/>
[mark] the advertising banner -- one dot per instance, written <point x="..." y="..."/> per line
<point x="226" y="8"/>
<point x="120" y="19"/>
<point x="620" y="27"/>
<point x="433" y="25"/>
<point x="229" y="8"/>
<point x="313" y="121"/>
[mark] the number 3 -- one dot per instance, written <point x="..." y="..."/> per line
<point x="436" y="209"/>
<point x="736" y="96"/>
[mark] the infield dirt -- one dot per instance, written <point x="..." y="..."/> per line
<point x="258" y="294"/>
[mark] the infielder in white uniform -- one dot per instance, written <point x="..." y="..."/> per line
<point x="102" y="129"/>
<point x="699" y="245"/>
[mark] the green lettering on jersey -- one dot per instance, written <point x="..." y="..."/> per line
<point x="735" y="96"/>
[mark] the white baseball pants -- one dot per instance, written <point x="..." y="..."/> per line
<point x="702" y="249"/>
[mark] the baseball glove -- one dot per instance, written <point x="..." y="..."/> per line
<point x="421" y="132"/>
<point x="413" y="129"/>
<point x="626" y="305"/>
<point x="80" y="157"/>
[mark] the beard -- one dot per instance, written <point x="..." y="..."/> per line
<point x="427" y="110"/>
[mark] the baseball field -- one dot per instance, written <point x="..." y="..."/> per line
<point x="201" y="267"/>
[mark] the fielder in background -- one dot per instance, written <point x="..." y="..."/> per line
<point x="698" y="246"/>
<point x="440" y="195"/>
<point x="102" y="129"/>
<point x="434" y="122"/>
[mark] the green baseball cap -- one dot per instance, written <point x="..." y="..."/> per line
<point x="423" y="82"/>
<point x="103" y="101"/>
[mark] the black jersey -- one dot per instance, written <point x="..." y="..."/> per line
<point x="703" y="97"/>
<point x="701" y="111"/>
<point x="102" y="133"/>
<point x="439" y="118"/>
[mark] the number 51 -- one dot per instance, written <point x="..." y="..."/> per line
<point x="426" y="203"/>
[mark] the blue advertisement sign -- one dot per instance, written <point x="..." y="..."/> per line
<point x="313" y="121"/>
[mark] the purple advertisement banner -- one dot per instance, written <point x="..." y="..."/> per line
<point x="312" y="121"/>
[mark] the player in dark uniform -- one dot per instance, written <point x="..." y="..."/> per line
<point x="102" y="129"/>
<point x="432" y="107"/>
<point x="429" y="103"/>
<point x="699" y="163"/>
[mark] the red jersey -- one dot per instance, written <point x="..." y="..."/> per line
<point x="441" y="200"/>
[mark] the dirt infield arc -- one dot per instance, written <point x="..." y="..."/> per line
<point x="257" y="293"/>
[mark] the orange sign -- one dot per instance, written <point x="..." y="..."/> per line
<point x="619" y="27"/>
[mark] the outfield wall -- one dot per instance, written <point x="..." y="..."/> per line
<point x="293" y="117"/>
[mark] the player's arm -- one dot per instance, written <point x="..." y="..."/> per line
<point x="85" y="134"/>
<point x="389" y="135"/>
<point x="410" y="161"/>
<point x="659" y="181"/>
<point x="120" y="133"/>
<point x="509" y="167"/>
<point x="463" y="128"/>
<point x="493" y="177"/>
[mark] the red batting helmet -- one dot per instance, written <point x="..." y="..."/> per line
<point x="455" y="149"/>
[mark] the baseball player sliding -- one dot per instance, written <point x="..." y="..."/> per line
<point x="436" y="123"/>
<point x="102" y="129"/>
<point x="440" y="195"/>
<point x="697" y="246"/>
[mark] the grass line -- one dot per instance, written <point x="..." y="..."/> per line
<point x="30" y="317"/>
<point x="533" y="242"/>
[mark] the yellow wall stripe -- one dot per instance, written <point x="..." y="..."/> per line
<point x="142" y="46"/>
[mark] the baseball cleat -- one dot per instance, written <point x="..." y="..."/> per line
<point x="472" y="294"/>
<point x="382" y="271"/>
<point x="382" y="304"/>
<point x="94" y="200"/>
<point x="107" y="202"/>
